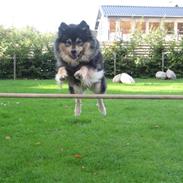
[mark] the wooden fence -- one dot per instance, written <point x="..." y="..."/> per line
<point x="139" y="50"/>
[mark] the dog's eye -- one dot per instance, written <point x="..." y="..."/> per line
<point x="79" y="42"/>
<point x="68" y="42"/>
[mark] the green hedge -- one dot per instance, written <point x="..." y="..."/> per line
<point x="33" y="50"/>
<point x="35" y="57"/>
<point x="144" y="66"/>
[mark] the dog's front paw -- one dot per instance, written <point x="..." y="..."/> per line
<point x="79" y="75"/>
<point x="60" y="78"/>
<point x="61" y="75"/>
<point x="83" y="77"/>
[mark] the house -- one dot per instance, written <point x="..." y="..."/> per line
<point x="119" y="22"/>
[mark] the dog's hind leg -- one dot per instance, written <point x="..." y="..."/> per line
<point x="77" y="110"/>
<point x="99" y="88"/>
<point x="101" y="106"/>
<point x="76" y="89"/>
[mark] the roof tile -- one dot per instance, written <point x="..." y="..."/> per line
<point x="142" y="11"/>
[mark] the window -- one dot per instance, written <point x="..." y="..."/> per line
<point x="154" y="26"/>
<point x="112" y="25"/>
<point x="169" y="27"/>
<point x="140" y="26"/>
<point x="125" y="27"/>
<point x="180" y="28"/>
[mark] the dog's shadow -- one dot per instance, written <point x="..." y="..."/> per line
<point x="78" y="121"/>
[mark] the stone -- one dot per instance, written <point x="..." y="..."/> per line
<point x="116" y="79"/>
<point x="160" y="75"/>
<point x="170" y="74"/>
<point x="126" y="79"/>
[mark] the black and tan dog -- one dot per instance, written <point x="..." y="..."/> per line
<point x="80" y="62"/>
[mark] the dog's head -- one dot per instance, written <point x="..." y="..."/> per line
<point x="73" y="41"/>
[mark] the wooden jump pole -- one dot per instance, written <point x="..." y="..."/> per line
<point x="90" y="96"/>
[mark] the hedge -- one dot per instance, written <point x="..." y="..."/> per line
<point x="143" y="66"/>
<point x="33" y="50"/>
<point x="35" y="58"/>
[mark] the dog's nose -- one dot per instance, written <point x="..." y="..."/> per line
<point x="73" y="52"/>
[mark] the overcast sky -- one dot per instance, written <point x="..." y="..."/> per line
<point x="46" y="15"/>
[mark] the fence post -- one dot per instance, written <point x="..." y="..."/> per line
<point x="163" y="61"/>
<point x="14" y="67"/>
<point x="114" y="57"/>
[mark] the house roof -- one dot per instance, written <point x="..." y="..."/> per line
<point x="141" y="11"/>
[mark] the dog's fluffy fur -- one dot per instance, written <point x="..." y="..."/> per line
<point x="80" y="62"/>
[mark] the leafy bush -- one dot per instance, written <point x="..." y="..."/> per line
<point x="119" y="52"/>
<point x="144" y="65"/>
<point x="35" y="58"/>
<point x="33" y="50"/>
<point x="175" y="58"/>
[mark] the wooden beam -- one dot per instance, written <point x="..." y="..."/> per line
<point x="90" y="96"/>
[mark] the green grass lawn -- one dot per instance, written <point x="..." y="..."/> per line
<point x="139" y="141"/>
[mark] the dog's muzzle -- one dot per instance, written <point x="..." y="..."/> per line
<point x="74" y="54"/>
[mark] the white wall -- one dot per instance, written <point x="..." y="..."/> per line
<point x="104" y="35"/>
<point x="102" y="32"/>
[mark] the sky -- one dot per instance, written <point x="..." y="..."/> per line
<point x="46" y="15"/>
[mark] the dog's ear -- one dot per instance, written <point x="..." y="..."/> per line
<point x="62" y="28"/>
<point x="84" y="26"/>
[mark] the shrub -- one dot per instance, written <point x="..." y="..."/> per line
<point x="35" y="58"/>
<point x="175" y="58"/>
<point x="118" y="51"/>
<point x="33" y="50"/>
<point x="144" y="66"/>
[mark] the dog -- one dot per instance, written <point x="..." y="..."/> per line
<point x="80" y="62"/>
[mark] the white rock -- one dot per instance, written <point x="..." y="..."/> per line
<point x="160" y="75"/>
<point x="170" y="74"/>
<point x="116" y="79"/>
<point x="126" y="79"/>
